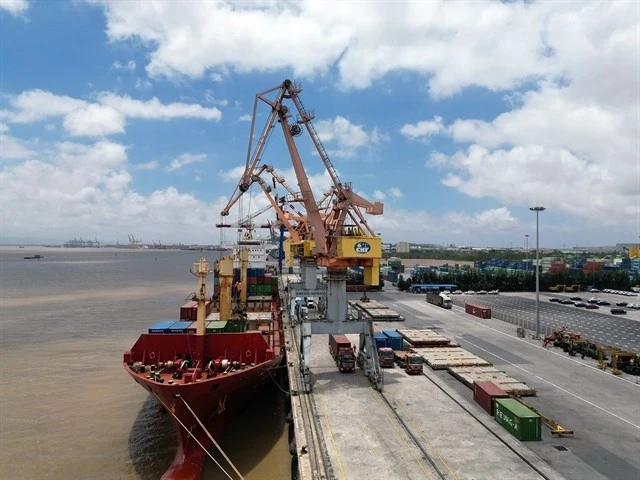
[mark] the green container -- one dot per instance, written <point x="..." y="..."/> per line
<point x="216" y="326"/>
<point x="520" y="421"/>
<point x="234" y="327"/>
<point x="253" y="289"/>
<point x="216" y="281"/>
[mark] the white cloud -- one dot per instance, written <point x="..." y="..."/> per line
<point x="346" y="136"/>
<point x="130" y="65"/>
<point x="379" y="195"/>
<point x="35" y="105"/>
<point x="186" y="159"/>
<point x="554" y="177"/>
<point x="151" y="165"/>
<point x="482" y="227"/>
<point x="88" y="187"/>
<point x="4" y="128"/>
<point x="395" y="192"/>
<point x="216" y="77"/>
<point x="12" y="148"/>
<point x="453" y="45"/>
<point x="245" y="118"/>
<point x="232" y="175"/>
<point x="94" y="120"/>
<point x="572" y="145"/>
<point x="424" y="128"/>
<point x="107" y="116"/>
<point x="154" y="109"/>
<point x="143" y="84"/>
<point x="15" y="7"/>
<point x="209" y="98"/>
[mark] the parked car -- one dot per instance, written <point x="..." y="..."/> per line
<point x="594" y="290"/>
<point x="576" y="298"/>
<point x="592" y="306"/>
<point x="634" y="306"/>
<point x="469" y="292"/>
<point x="621" y="304"/>
<point x="554" y="299"/>
<point x="593" y="300"/>
<point x="618" y="311"/>
<point x="580" y="304"/>
<point x="457" y="292"/>
<point x="482" y="292"/>
<point x="603" y="303"/>
<point x="566" y="301"/>
<point x="494" y="292"/>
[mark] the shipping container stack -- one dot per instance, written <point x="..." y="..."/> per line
<point x="522" y="422"/>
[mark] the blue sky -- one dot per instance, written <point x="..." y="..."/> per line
<point x="126" y="117"/>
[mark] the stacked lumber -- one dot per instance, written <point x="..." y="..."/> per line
<point x="440" y="358"/>
<point x="425" y="338"/>
<point x="469" y="375"/>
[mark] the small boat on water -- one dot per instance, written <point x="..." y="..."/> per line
<point x="34" y="257"/>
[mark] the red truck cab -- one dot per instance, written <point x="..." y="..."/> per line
<point x="386" y="357"/>
<point x="409" y="361"/>
<point x="342" y="353"/>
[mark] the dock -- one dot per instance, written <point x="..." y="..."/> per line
<point x="418" y="427"/>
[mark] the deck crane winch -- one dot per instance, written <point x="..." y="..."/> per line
<point x="337" y="235"/>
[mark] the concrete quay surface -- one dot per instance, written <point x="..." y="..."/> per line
<point x="602" y="409"/>
<point x="429" y="427"/>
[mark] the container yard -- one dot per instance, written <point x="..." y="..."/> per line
<point x="483" y="428"/>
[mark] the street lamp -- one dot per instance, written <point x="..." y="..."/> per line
<point x="537" y="210"/>
<point x="526" y="262"/>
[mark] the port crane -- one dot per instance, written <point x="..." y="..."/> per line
<point x="332" y="233"/>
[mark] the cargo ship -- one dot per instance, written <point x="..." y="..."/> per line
<point x="205" y="368"/>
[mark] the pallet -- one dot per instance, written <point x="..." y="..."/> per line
<point x="371" y="304"/>
<point x="424" y="338"/>
<point x="378" y="312"/>
<point x="469" y="375"/>
<point x="443" y="358"/>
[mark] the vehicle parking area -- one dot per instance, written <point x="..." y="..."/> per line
<point x="599" y="326"/>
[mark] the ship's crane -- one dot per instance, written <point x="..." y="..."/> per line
<point x="332" y="233"/>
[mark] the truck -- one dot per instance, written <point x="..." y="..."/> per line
<point x="386" y="357"/>
<point x="409" y="361"/>
<point x="342" y="352"/>
<point x="439" y="299"/>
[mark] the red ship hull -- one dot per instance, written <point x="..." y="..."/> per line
<point x="214" y="395"/>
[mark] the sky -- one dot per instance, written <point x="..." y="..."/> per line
<point x="121" y="118"/>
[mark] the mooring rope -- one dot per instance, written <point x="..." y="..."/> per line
<point x="211" y="438"/>
<point x="201" y="446"/>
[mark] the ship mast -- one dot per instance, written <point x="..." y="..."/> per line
<point x="201" y="270"/>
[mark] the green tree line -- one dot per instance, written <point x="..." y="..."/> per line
<point x="471" y="279"/>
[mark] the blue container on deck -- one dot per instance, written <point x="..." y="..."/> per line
<point x="161" y="327"/>
<point x="395" y="340"/>
<point x="381" y="339"/>
<point x="180" y="327"/>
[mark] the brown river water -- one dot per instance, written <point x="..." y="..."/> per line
<point x="68" y="410"/>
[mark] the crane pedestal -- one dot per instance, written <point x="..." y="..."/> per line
<point x="335" y="320"/>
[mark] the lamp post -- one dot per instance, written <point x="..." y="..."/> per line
<point x="537" y="209"/>
<point x="526" y="263"/>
